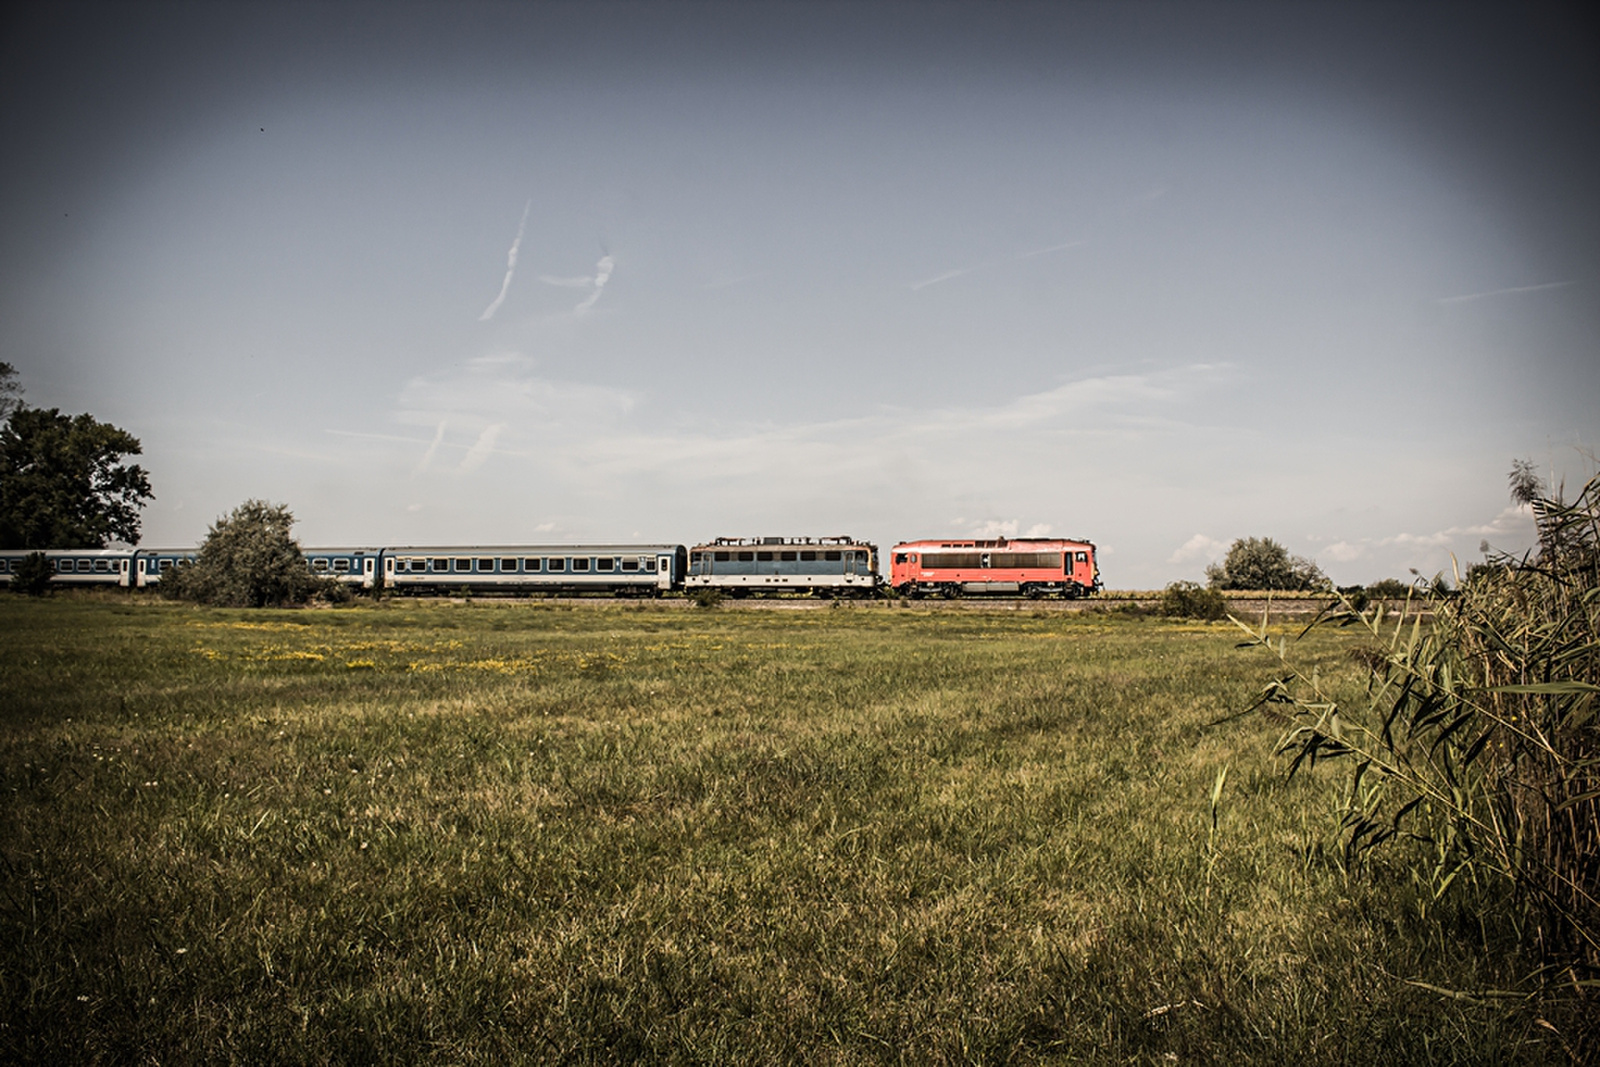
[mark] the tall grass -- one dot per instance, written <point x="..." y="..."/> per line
<point x="1476" y="747"/>
<point x="492" y="833"/>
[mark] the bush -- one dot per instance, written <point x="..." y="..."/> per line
<point x="1262" y="563"/>
<point x="32" y="575"/>
<point x="706" y="597"/>
<point x="1477" y="746"/>
<point x="248" y="560"/>
<point x="1190" y="600"/>
<point x="1388" y="589"/>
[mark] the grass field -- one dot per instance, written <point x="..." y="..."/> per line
<point x="551" y="833"/>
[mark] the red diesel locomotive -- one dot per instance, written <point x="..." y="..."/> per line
<point x="1025" y="566"/>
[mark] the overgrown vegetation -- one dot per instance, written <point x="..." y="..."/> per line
<point x="501" y="833"/>
<point x="249" y="559"/>
<point x="1475" y="755"/>
<point x="32" y="575"/>
<point x="1190" y="600"/>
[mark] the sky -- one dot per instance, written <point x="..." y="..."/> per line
<point x="1155" y="275"/>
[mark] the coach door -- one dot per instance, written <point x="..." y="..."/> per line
<point x="369" y="571"/>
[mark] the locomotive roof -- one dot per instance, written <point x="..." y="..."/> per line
<point x="1002" y="543"/>
<point x="767" y="542"/>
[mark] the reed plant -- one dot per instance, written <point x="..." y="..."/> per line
<point x="1473" y="752"/>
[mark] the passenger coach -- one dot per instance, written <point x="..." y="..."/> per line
<point x="824" y="566"/>
<point x="1020" y="566"/>
<point x="646" y="570"/>
<point x="76" y="566"/>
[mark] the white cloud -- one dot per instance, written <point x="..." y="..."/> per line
<point x="1199" y="549"/>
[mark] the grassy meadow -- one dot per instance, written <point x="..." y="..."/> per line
<point x="545" y="832"/>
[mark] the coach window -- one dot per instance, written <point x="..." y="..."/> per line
<point x="509" y="566"/>
<point x="650" y="565"/>
<point x="630" y="564"/>
<point x="555" y="564"/>
<point x="605" y="564"/>
<point x="319" y="564"/>
<point x="341" y="565"/>
<point x="579" y="564"/>
<point x="530" y="566"/>
<point x="165" y="566"/>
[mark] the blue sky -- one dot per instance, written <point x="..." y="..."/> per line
<point x="1156" y="275"/>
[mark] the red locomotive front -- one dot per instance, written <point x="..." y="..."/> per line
<point x="1019" y="566"/>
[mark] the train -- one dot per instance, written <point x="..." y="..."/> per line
<point x="737" y="566"/>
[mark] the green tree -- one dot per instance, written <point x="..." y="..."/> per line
<point x="10" y="391"/>
<point x="63" y="483"/>
<point x="248" y="560"/>
<point x="1262" y="563"/>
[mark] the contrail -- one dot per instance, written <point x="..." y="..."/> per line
<point x="427" y="457"/>
<point x="482" y="447"/>
<point x="602" y="274"/>
<point x="937" y="278"/>
<point x="1503" y="292"/>
<point x="511" y="267"/>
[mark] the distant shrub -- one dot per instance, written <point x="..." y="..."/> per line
<point x="1190" y="600"/>
<point x="1388" y="589"/>
<point x="706" y="597"/>
<point x="32" y="575"/>
<point x="1355" y="595"/>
